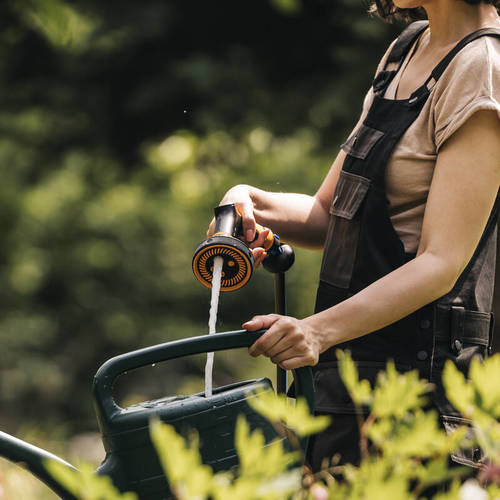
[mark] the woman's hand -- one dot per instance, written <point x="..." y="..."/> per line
<point x="289" y="342"/>
<point x="240" y="195"/>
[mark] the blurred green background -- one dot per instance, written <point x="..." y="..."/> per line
<point x="122" y="124"/>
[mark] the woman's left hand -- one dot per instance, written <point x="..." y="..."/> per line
<point x="289" y="342"/>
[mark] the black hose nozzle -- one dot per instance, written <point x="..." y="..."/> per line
<point x="237" y="267"/>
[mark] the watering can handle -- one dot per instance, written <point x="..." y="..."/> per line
<point x="114" y="367"/>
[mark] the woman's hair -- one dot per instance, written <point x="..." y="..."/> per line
<point x="389" y="12"/>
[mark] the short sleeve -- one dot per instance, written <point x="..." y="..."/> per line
<point x="469" y="84"/>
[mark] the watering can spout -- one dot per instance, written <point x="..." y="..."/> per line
<point x="34" y="459"/>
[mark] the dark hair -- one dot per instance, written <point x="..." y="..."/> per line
<point x="389" y="12"/>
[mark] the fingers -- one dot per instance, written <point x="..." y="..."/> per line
<point x="261" y="238"/>
<point x="287" y="343"/>
<point x="259" y="254"/>
<point x="260" y="322"/>
<point x="278" y="326"/>
<point x="297" y="362"/>
<point x="248" y="220"/>
<point x="211" y="228"/>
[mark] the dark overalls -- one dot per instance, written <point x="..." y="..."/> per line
<point x="362" y="246"/>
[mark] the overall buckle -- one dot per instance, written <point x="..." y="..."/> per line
<point x="491" y="331"/>
<point x="457" y="328"/>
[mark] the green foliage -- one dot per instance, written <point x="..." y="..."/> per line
<point x="188" y="477"/>
<point x="398" y="394"/>
<point x="256" y="459"/>
<point x="478" y="399"/>
<point x="122" y="124"/>
<point x="360" y="391"/>
<point x="276" y="409"/>
<point x="85" y="484"/>
<point x="404" y="449"/>
<point x="287" y="6"/>
<point x="266" y="471"/>
<point x="63" y="25"/>
<point x="407" y="452"/>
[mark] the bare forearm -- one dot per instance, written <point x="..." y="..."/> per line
<point x="386" y="301"/>
<point x="298" y="218"/>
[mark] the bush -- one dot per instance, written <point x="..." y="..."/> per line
<point x="404" y="449"/>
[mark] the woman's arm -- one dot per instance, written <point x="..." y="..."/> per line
<point x="299" y="219"/>
<point x="462" y="194"/>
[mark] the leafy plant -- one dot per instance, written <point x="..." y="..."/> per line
<point x="405" y="452"/>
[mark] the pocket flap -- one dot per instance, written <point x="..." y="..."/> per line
<point x="361" y="142"/>
<point x="349" y="193"/>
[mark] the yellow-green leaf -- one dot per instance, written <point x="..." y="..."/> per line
<point x="296" y="417"/>
<point x="396" y="394"/>
<point x="188" y="477"/>
<point x="360" y="391"/>
<point x="484" y="376"/>
<point x="458" y="391"/>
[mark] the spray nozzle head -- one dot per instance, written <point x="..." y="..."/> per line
<point x="238" y="261"/>
<point x="236" y="254"/>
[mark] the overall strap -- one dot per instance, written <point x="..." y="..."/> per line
<point x="443" y="64"/>
<point x="398" y="52"/>
<point x="423" y="91"/>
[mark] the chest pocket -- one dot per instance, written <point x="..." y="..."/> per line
<point x="362" y="142"/>
<point x="343" y="230"/>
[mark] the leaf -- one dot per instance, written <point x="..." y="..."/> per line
<point x="396" y="394"/>
<point x="298" y="418"/>
<point x="258" y="459"/>
<point x="437" y="471"/>
<point x="188" y="477"/>
<point x="458" y="391"/>
<point x="60" y="23"/>
<point x="494" y="491"/>
<point x="418" y="436"/>
<point x="360" y="391"/>
<point x="85" y="484"/>
<point x="395" y="488"/>
<point x="484" y="376"/>
<point x="377" y="479"/>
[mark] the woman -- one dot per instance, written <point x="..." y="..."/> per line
<point x="407" y="218"/>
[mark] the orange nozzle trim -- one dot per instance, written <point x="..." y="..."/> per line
<point x="269" y="241"/>
<point x="244" y="267"/>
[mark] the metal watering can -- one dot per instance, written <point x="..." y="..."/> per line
<point x="131" y="460"/>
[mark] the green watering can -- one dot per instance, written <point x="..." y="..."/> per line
<point x="131" y="460"/>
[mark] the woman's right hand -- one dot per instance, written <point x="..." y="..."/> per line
<point x="240" y="195"/>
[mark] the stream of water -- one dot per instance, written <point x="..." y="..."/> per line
<point x="214" y="306"/>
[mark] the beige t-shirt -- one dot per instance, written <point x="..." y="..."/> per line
<point x="470" y="83"/>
